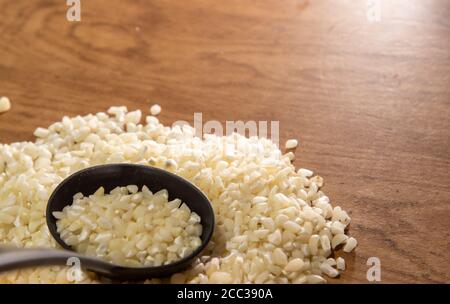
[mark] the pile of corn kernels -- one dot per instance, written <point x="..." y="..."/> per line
<point x="274" y="224"/>
<point x="129" y="227"/>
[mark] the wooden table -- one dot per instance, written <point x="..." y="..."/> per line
<point x="368" y="97"/>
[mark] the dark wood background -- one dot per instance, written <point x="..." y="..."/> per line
<point x="369" y="102"/>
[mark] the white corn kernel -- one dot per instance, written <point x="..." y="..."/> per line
<point x="291" y="144"/>
<point x="5" y="104"/>
<point x="155" y="109"/>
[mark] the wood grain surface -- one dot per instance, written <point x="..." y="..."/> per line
<point x="368" y="101"/>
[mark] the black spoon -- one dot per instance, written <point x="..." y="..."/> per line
<point x="87" y="181"/>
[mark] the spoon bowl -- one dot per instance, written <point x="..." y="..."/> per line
<point x="87" y="181"/>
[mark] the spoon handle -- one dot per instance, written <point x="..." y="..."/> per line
<point x="15" y="258"/>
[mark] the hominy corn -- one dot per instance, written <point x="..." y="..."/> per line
<point x="274" y="225"/>
<point x="5" y="104"/>
<point x="137" y="228"/>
